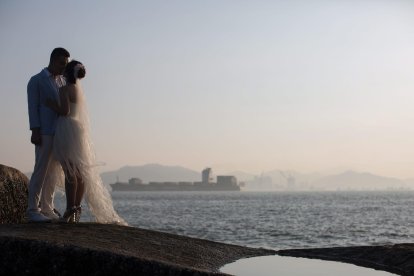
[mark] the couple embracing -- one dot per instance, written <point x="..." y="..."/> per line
<point x="63" y="150"/>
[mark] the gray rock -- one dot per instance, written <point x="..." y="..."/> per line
<point x="104" y="249"/>
<point x="13" y="195"/>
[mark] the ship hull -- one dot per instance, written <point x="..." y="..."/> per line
<point x="124" y="188"/>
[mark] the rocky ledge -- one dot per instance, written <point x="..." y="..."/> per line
<point x="99" y="249"/>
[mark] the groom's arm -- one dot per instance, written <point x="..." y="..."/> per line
<point x="33" y="102"/>
<point x="63" y="109"/>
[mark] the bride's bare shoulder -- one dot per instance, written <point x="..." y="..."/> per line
<point x="71" y="91"/>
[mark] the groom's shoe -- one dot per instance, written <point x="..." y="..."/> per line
<point x="51" y="215"/>
<point x="34" y="216"/>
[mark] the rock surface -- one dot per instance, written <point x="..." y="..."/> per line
<point x="13" y="195"/>
<point x="99" y="249"/>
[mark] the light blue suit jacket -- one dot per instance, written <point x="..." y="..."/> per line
<point x="39" y="89"/>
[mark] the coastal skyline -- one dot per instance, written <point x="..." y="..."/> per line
<point x="234" y="85"/>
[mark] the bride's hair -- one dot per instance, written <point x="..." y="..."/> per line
<point x="74" y="70"/>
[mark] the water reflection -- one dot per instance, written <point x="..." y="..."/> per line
<point x="291" y="266"/>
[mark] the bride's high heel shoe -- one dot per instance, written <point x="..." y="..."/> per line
<point x="78" y="213"/>
<point x="70" y="215"/>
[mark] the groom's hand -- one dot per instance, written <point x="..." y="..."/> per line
<point x="36" y="139"/>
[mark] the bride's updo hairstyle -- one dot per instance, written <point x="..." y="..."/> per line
<point x="74" y="70"/>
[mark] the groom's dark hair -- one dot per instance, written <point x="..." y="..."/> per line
<point x="59" y="52"/>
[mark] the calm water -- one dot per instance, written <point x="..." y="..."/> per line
<point x="278" y="265"/>
<point x="277" y="220"/>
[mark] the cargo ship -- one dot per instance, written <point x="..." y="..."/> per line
<point x="223" y="183"/>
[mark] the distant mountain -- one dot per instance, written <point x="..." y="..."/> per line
<point x="151" y="172"/>
<point x="301" y="179"/>
<point x="351" y="180"/>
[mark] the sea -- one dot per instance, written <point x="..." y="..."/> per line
<point x="274" y="220"/>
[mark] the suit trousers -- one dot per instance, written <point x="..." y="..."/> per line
<point x="42" y="184"/>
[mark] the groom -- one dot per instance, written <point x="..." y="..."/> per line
<point x="42" y="121"/>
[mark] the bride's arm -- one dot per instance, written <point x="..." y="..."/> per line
<point x="64" y="108"/>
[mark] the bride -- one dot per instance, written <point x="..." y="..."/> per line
<point x="73" y="149"/>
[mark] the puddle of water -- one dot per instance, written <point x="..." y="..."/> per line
<point x="291" y="266"/>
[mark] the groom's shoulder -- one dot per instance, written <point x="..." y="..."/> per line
<point x="35" y="81"/>
<point x="37" y="76"/>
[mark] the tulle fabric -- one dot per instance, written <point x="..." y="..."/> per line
<point x="73" y="149"/>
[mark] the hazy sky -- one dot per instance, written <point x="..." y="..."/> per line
<point x="248" y="85"/>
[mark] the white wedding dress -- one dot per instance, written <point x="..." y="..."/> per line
<point x="73" y="148"/>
